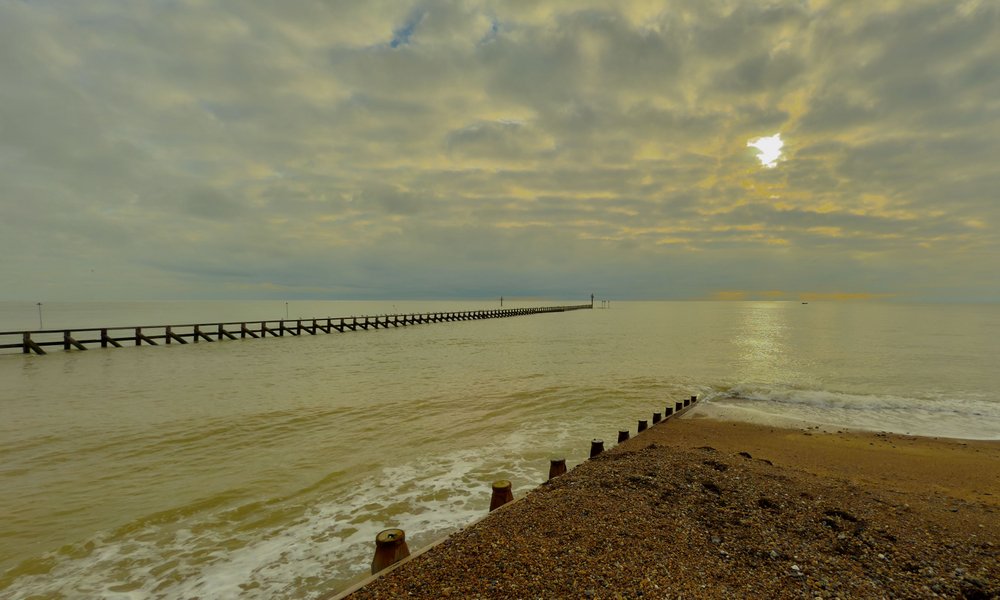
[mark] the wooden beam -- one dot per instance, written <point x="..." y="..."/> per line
<point x="199" y="334"/>
<point x="29" y="346"/>
<point x="105" y="340"/>
<point x="170" y="335"/>
<point x="69" y="341"/>
<point x="140" y="338"/>
<point x="245" y="332"/>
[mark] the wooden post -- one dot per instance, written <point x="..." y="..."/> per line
<point x="596" y="447"/>
<point x="106" y="339"/>
<point x="694" y="399"/>
<point x="502" y="494"/>
<point x="656" y="418"/>
<point x="390" y="548"/>
<point x="622" y="435"/>
<point x="687" y="402"/>
<point x="643" y="424"/>
<point x="69" y="341"/>
<point x="139" y="338"/>
<point x="30" y="346"/>
<point x="668" y="411"/>
<point x="678" y="406"/>
<point x="557" y="467"/>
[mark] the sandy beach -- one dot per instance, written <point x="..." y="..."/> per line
<point x="704" y="508"/>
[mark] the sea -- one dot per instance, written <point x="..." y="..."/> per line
<point x="264" y="468"/>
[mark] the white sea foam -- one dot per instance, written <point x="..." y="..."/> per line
<point x="968" y="416"/>
<point x="328" y="540"/>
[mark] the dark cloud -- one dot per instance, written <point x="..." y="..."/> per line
<point x="435" y="148"/>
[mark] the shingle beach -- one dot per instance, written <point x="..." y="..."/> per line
<point x="700" y="508"/>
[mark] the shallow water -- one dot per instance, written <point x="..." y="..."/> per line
<point x="264" y="468"/>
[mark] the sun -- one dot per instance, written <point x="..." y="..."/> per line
<point x="769" y="149"/>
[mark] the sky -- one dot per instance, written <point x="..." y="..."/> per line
<point x="383" y="149"/>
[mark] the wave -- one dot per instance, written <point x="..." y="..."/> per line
<point x="966" y="416"/>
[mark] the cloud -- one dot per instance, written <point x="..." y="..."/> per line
<point x="434" y="148"/>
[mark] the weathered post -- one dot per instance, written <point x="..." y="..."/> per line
<point x="668" y="411"/>
<point x="390" y="548"/>
<point x="687" y="402"/>
<point x="596" y="447"/>
<point x="502" y="494"/>
<point x="622" y="435"/>
<point x="678" y="406"/>
<point x="643" y="424"/>
<point x="656" y="418"/>
<point x="557" y="467"/>
<point x="694" y="399"/>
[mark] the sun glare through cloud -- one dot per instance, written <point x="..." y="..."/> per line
<point x="769" y="149"/>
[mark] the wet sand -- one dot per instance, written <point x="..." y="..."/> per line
<point x="701" y="508"/>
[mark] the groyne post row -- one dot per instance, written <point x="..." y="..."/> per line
<point x="503" y="495"/>
<point x="152" y="335"/>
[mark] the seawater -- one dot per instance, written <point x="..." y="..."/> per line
<point x="264" y="468"/>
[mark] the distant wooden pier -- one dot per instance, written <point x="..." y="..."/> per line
<point x="152" y="335"/>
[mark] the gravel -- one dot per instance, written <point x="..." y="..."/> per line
<point x="655" y="520"/>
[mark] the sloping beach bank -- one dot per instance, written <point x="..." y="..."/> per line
<point x="700" y="508"/>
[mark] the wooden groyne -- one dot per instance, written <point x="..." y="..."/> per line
<point x="392" y="552"/>
<point x="152" y="335"/>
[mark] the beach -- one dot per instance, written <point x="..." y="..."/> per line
<point x="258" y="469"/>
<point x="704" y="508"/>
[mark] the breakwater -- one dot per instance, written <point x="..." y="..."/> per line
<point x="392" y="551"/>
<point x="152" y="335"/>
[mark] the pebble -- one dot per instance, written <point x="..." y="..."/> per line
<point x="596" y="533"/>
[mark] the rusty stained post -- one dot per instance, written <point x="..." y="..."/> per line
<point x="596" y="447"/>
<point x="557" y="467"/>
<point x="390" y="548"/>
<point x="502" y="494"/>
<point x="643" y="424"/>
<point x="622" y="435"/>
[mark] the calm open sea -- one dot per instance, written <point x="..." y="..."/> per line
<point x="264" y="468"/>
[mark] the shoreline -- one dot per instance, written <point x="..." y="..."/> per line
<point x="704" y="508"/>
